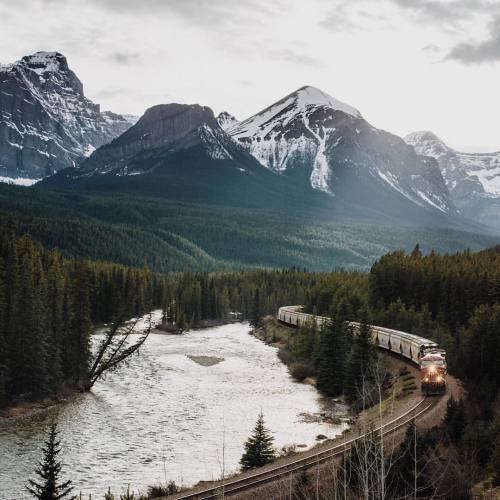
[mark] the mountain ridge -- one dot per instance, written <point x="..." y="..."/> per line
<point x="473" y="179"/>
<point x="46" y="122"/>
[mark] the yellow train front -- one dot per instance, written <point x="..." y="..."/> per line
<point x="433" y="373"/>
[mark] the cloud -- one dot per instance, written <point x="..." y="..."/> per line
<point x="338" y="19"/>
<point x="125" y="57"/>
<point x="290" y="55"/>
<point x="203" y="13"/>
<point x="437" y="11"/>
<point x="487" y="50"/>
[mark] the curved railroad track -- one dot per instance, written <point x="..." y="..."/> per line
<point x="260" y="478"/>
<point x="292" y="315"/>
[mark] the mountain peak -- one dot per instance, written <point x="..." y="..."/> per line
<point x="427" y="143"/>
<point x="311" y="96"/>
<point x="43" y="62"/>
<point x="226" y="120"/>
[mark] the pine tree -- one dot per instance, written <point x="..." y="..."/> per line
<point x="361" y="362"/>
<point x="259" y="447"/>
<point x="255" y="313"/>
<point x="80" y="332"/>
<point x="49" y="472"/>
<point x="455" y="419"/>
<point x="332" y="358"/>
<point x="108" y="495"/>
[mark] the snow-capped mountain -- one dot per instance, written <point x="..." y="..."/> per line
<point x="310" y="134"/>
<point x="180" y="152"/>
<point x="46" y="122"/>
<point x="167" y="127"/>
<point x="226" y="120"/>
<point x="473" y="179"/>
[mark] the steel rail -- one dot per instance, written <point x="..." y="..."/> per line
<point x="280" y="471"/>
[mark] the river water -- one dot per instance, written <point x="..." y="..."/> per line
<point x="164" y="416"/>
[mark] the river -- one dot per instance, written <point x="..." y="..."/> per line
<point x="164" y="415"/>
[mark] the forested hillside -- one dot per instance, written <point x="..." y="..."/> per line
<point x="49" y="305"/>
<point x="166" y="235"/>
<point x="455" y="300"/>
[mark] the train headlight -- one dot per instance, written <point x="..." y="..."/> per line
<point x="432" y="369"/>
<point x="439" y="378"/>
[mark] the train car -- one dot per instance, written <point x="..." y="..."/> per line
<point x="422" y="352"/>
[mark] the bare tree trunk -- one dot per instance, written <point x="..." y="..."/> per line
<point x="115" y="348"/>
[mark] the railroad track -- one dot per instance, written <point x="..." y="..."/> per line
<point x="278" y="472"/>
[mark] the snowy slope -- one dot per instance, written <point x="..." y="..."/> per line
<point x="311" y="134"/>
<point x="46" y="122"/>
<point x="226" y="120"/>
<point x="479" y="169"/>
<point x="473" y="179"/>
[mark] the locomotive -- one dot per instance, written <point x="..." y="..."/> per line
<point x="422" y="352"/>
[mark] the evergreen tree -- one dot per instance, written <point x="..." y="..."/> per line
<point x="80" y="331"/>
<point x="108" y="495"/>
<point x="455" y="419"/>
<point x="361" y="362"/>
<point x="256" y="313"/>
<point x="258" y="448"/>
<point x="332" y="356"/>
<point x="49" y="486"/>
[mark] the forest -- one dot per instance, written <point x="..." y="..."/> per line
<point x="49" y="304"/>
<point x="175" y="236"/>
<point x="455" y="300"/>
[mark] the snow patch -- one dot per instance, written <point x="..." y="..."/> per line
<point x="19" y="181"/>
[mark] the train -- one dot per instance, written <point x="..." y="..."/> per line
<point x="424" y="353"/>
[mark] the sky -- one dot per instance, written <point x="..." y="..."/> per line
<point x="405" y="64"/>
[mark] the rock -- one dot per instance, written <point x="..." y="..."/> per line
<point x="46" y="122"/>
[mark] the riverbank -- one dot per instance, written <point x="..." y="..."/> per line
<point x="173" y="409"/>
<point x="23" y="409"/>
<point x="401" y="395"/>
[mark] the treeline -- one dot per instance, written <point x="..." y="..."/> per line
<point x="457" y="294"/>
<point x="48" y="305"/>
<point x="193" y="297"/>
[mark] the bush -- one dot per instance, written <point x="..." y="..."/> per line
<point x="160" y="490"/>
<point x="284" y="355"/>
<point x="300" y="371"/>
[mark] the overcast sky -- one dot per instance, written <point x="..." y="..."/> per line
<point x="405" y="64"/>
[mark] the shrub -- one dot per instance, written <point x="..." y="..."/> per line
<point x="300" y="371"/>
<point x="284" y="355"/>
<point x="161" y="490"/>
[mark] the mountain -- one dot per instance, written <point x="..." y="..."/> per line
<point x="312" y="136"/>
<point x="226" y="120"/>
<point x="180" y="152"/>
<point x="46" y="122"/>
<point x="473" y="179"/>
